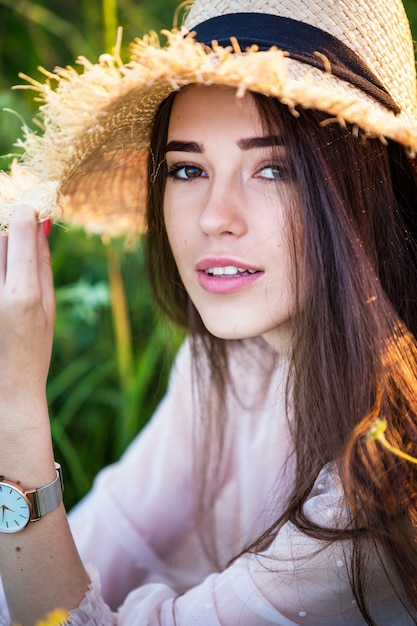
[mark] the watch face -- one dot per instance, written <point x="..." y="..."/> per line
<point x="14" y="509"/>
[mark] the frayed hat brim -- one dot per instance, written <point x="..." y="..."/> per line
<point x="88" y="166"/>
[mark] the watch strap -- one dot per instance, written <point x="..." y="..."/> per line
<point x="46" y="498"/>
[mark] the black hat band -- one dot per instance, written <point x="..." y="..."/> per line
<point x="301" y="41"/>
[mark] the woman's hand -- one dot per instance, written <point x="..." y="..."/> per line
<point x="27" y="312"/>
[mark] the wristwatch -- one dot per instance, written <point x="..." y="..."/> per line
<point x="19" y="507"/>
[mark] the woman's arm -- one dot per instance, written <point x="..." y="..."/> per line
<point x="39" y="564"/>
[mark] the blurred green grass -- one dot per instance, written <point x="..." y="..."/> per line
<point x="101" y="392"/>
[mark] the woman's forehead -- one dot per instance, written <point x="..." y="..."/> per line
<point x="215" y="108"/>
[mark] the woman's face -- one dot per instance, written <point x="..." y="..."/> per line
<point x="228" y="194"/>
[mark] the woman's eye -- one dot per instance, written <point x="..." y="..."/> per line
<point x="273" y="172"/>
<point x="185" y="172"/>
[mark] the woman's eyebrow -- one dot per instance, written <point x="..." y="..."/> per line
<point x="260" y="142"/>
<point x="183" y="146"/>
<point x="248" y="143"/>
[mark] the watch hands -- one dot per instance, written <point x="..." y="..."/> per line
<point x="5" y="508"/>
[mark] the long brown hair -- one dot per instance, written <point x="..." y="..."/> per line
<point x="354" y="355"/>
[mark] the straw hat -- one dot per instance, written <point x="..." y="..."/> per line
<point x="353" y="59"/>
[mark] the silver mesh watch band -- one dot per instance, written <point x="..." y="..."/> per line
<point x="46" y="498"/>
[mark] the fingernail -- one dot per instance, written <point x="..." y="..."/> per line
<point x="47" y="226"/>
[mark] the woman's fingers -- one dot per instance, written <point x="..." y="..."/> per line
<point x="25" y="262"/>
<point x="21" y="276"/>
<point x="27" y="303"/>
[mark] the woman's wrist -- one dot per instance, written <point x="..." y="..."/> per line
<point x="23" y="414"/>
<point x="26" y="453"/>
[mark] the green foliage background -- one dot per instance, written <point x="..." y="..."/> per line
<point x="112" y="351"/>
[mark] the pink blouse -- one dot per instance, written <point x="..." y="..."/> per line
<point x="136" y="529"/>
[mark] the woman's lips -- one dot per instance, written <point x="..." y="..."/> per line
<point x="225" y="277"/>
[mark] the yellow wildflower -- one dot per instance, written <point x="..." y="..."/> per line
<point x="54" y="618"/>
<point x="377" y="432"/>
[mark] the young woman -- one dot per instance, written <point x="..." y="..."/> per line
<point x="281" y="233"/>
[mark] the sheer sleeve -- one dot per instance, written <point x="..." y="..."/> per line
<point x="297" y="581"/>
<point x="143" y="506"/>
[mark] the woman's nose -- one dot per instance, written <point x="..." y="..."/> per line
<point x="222" y="212"/>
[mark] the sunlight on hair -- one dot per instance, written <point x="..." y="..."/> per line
<point x="377" y="432"/>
